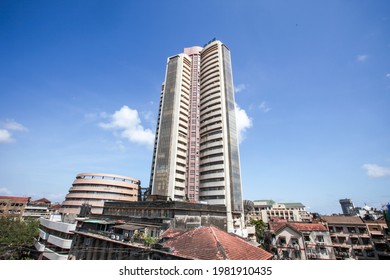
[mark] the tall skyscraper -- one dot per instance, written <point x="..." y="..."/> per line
<point x="347" y="207"/>
<point x="196" y="156"/>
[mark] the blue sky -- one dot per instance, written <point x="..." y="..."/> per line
<point x="80" y="84"/>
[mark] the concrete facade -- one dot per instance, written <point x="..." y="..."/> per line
<point x="196" y="156"/>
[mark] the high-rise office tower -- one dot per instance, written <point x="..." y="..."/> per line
<point x="196" y="155"/>
<point x="347" y="207"/>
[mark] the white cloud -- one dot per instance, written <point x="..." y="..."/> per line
<point x="362" y="57"/>
<point x="264" y="107"/>
<point x="388" y="75"/>
<point x="239" y="88"/>
<point x="7" y="126"/>
<point x="13" y="125"/>
<point x="128" y="123"/>
<point x="5" y="136"/>
<point x="5" y="191"/>
<point x="374" y="170"/>
<point x="243" y="122"/>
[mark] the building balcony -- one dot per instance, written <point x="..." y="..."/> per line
<point x="51" y="255"/>
<point x="212" y="167"/>
<point x="211" y="144"/>
<point x="210" y="193"/>
<point x="180" y="176"/>
<point x="211" y="184"/>
<point x="43" y="235"/>
<point x="38" y="246"/>
<point x="212" y="176"/>
<point x="211" y="127"/>
<point x="58" y="226"/>
<point x="209" y="160"/>
<point x="60" y="242"/>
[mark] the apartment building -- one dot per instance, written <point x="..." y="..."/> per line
<point x="13" y="206"/>
<point x="266" y="210"/>
<point x="55" y="238"/>
<point x="350" y="237"/>
<point x="380" y="237"/>
<point x="300" y="241"/>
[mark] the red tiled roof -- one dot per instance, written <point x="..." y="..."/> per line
<point x="16" y="198"/>
<point x="41" y="200"/>
<point x="308" y="226"/>
<point x="172" y="232"/>
<point x="212" y="243"/>
<point x="297" y="226"/>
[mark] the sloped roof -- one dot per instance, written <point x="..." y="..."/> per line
<point x="308" y="226"/>
<point x="15" y="198"/>
<point x="297" y="226"/>
<point x="342" y="219"/>
<point x="41" y="200"/>
<point x="212" y="243"/>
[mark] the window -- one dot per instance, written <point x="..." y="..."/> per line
<point x="351" y="229"/>
<point x="282" y="240"/>
<point x="320" y="238"/>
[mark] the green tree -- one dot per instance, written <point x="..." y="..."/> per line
<point x="260" y="228"/>
<point x="17" y="238"/>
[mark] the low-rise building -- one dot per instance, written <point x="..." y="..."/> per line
<point x="350" y="237"/>
<point x="300" y="241"/>
<point x="37" y="208"/>
<point x="166" y="213"/>
<point x="13" y="206"/>
<point x="87" y="195"/>
<point x="115" y="240"/>
<point x="212" y="243"/>
<point x="265" y="210"/>
<point x="380" y="237"/>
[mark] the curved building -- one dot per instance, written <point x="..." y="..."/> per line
<point x="96" y="188"/>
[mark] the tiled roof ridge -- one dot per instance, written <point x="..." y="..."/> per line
<point x="20" y="198"/>
<point x="219" y="245"/>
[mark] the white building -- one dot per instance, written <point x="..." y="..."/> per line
<point x="55" y="238"/>
<point x="301" y="241"/>
<point x="265" y="210"/>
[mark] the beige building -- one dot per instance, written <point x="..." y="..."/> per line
<point x="380" y="237"/>
<point x="300" y="241"/>
<point x="350" y="237"/>
<point x="96" y="188"/>
<point x="91" y="190"/>
<point x="12" y="206"/>
<point x="196" y="153"/>
<point x="265" y="210"/>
